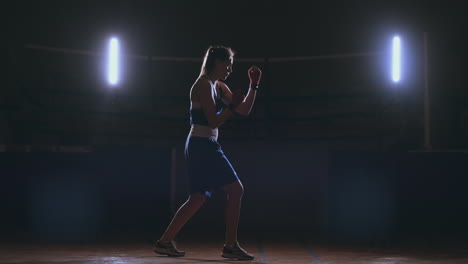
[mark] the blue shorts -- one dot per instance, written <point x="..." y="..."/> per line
<point x="208" y="167"/>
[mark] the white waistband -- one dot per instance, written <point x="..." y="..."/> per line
<point x="203" y="131"/>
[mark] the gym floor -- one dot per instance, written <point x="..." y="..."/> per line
<point x="209" y="252"/>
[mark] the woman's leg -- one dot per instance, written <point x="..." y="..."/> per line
<point x="234" y="192"/>
<point x="185" y="212"/>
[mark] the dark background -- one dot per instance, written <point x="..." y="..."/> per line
<point x="332" y="148"/>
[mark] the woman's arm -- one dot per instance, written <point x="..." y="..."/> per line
<point x="246" y="106"/>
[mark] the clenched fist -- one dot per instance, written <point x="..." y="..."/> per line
<point x="255" y="74"/>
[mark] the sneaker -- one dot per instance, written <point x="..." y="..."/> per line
<point x="236" y="252"/>
<point x="169" y="249"/>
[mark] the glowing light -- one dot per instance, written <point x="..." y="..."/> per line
<point x="396" y="59"/>
<point x="113" y="62"/>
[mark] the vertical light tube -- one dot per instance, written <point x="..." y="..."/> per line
<point x="396" y="59"/>
<point x="113" y="62"/>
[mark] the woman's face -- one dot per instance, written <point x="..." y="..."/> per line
<point x="224" y="68"/>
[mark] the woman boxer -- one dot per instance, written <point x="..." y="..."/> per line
<point x="212" y="103"/>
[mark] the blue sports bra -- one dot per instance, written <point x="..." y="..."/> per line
<point x="196" y="113"/>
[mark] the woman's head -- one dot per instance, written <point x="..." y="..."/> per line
<point x="218" y="62"/>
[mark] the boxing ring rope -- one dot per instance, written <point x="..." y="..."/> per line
<point x="198" y="59"/>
